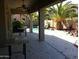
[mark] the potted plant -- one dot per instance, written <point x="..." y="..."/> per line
<point x="18" y="26"/>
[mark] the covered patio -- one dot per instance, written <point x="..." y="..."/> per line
<point x="31" y="46"/>
<point x="28" y="47"/>
<point x="9" y="7"/>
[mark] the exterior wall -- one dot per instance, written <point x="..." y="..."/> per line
<point x="51" y="22"/>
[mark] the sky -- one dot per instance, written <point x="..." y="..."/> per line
<point x="74" y="1"/>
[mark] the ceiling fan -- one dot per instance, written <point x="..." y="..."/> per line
<point x="23" y="6"/>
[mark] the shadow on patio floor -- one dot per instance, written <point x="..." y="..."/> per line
<point x="52" y="48"/>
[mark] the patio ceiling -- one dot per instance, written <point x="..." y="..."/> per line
<point x="32" y="5"/>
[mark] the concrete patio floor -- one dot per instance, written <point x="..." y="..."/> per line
<point x="54" y="46"/>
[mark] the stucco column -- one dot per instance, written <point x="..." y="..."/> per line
<point x="31" y="23"/>
<point x="41" y="25"/>
<point x="8" y="21"/>
<point x="2" y="24"/>
<point x="5" y="22"/>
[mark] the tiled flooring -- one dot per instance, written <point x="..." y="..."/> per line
<point x="52" y="48"/>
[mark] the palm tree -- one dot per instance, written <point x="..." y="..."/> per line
<point x="62" y="11"/>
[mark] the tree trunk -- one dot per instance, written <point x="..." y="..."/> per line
<point x="59" y="26"/>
